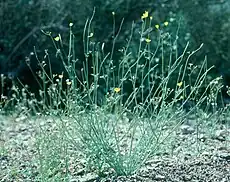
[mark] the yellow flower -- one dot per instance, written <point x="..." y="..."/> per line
<point x="117" y="90"/>
<point x="166" y="23"/>
<point x="68" y="82"/>
<point x="113" y="13"/>
<point x="71" y="24"/>
<point x="147" y="40"/>
<point x="179" y="84"/>
<point x="228" y="92"/>
<point x="157" y="26"/>
<point x="150" y="17"/>
<point x="57" y="38"/>
<point x="145" y="15"/>
<point x="60" y="76"/>
<point x="90" y="35"/>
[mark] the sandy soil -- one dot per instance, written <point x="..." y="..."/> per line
<point x="211" y="163"/>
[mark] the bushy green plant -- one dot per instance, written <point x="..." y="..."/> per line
<point x="147" y="90"/>
<point x="123" y="143"/>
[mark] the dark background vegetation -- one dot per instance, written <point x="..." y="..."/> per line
<point x="21" y="22"/>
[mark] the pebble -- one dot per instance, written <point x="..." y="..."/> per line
<point x="225" y="156"/>
<point x="90" y="177"/>
<point x="159" y="177"/>
<point x="202" y="137"/>
<point x="221" y="134"/>
<point x="186" y="129"/>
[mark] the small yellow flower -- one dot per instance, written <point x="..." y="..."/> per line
<point x="60" y="76"/>
<point x="68" y="82"/>
<point x="57" y="38"/>
<point x="71" y="24"/>
<point x="117" y="90"/>
<point x="147" y="40"/>
<point x="90" y="35"/>
<point x="157" y="26"/>
<point x="228" y="92"/>
<point x="113" y="13"/>
<point x="150" y="17"/>
<point x="179" y="84"/>
<point x="166" y="23"/>
<point x="145" y="15"/>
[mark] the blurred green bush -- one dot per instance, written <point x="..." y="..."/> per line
<point x="200" y="21"/>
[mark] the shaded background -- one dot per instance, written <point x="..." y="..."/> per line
<point x="21" y="22"/>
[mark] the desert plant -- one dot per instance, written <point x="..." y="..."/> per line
<point x="124" y="143"/>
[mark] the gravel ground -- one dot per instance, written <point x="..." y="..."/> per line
<point x="211" y="163"/>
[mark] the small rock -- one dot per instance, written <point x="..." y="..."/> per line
<point x="22" y="118"/>
<point x="186" y="129"/>
<point x="90" y="177"/>
<point x="159" y="177"/>
<point x="225" y="156"/>
<point x="205" y="153"/>
<point x="202" y="137"/>
<point x="221" y="135"/>
<point x="74" y="180"/>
